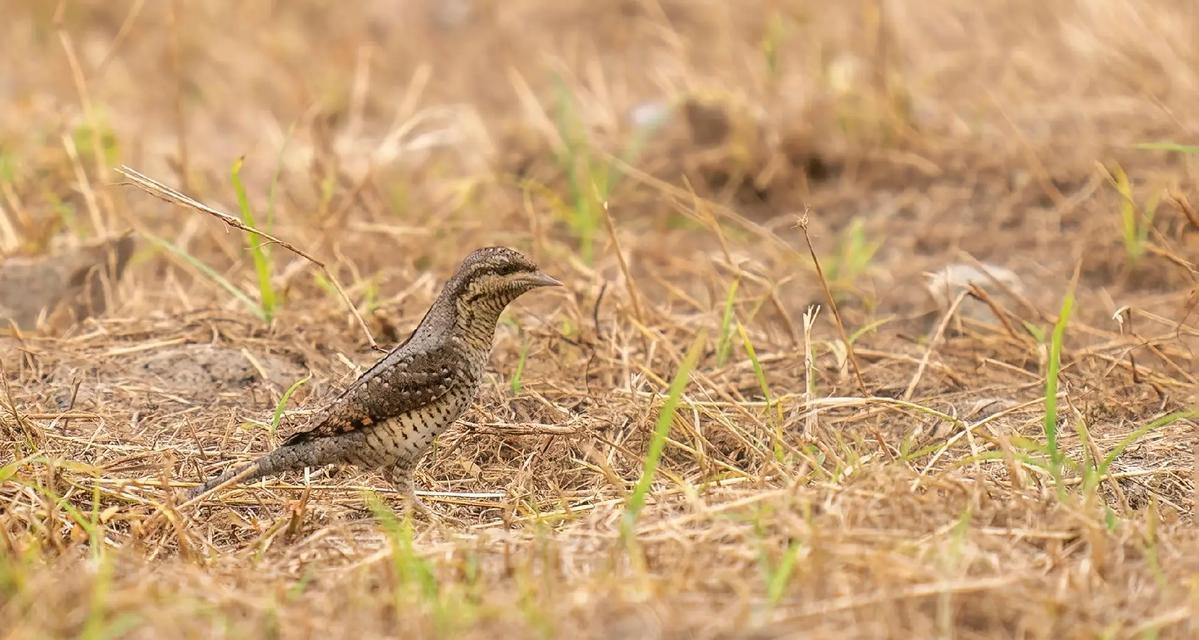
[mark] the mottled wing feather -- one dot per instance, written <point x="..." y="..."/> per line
<point x="398" y="384"/>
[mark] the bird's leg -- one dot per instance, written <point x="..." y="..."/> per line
<point x="401" y="478"/>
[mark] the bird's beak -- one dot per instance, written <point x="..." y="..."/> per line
<point x="542" y="279"/>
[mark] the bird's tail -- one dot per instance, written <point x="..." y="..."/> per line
<point x="277" y="461"/>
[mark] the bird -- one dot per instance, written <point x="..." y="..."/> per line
<point x="387" y="419"/>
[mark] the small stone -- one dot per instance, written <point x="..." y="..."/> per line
<point x="1000" y="283"/>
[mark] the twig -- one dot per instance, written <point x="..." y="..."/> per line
<point x="1184" y="205"/>
<point x="8" y="233"/>
<point x="66" y="421"/>
<point x="122" y="34"/>
<point x="932" y="343"/>
<point x="809" y="371"/>
<point x="599" y="334"/>
<point x="828" y="293"/>
<point x="32" y="433"/>
<point x="85" y="186"/>
<point x="981" y="294"/>
<point x="163" y="192"/>
<point x="1005" y="288"/>
<point x="624" y="267"/>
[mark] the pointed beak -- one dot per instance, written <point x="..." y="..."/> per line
<point x="542" y="279"/>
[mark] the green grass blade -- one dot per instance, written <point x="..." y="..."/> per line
<point x="518" y="373"/>
<point x="411" y="569"/>
<point x="773" y="414"/>
<point x="9" y="470"/>
<point x="657" y="441"/>
<point x="277" y="417"/>
<point x="1145" y="224"/>
<point x="1128" y="213"/>
<point x="257" y="245"/>
<point x="724" y="344"/>
<point x="1169" y="146"/>
<point x="772" y="43"/>
<point x="782" y="574"/>
<point x="1051" y="380"/>
<point x="1087" y="465"/>
<point x="1131" y="438"/>
<point x="869" y="328"/>
<point x="97" y="606"/>
<point x="209" y="273"/>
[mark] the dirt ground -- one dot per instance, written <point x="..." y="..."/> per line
<point x="884" y="468"/>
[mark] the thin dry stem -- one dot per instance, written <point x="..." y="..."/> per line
<point x="932" y="343"/>
<point x="832" y="304"/>
<point x="624" y="265"/>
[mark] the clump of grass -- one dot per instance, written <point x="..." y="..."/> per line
<point x="774" y="413"/>
<point x="95" y="138"/>
<point x="1046" y="456"/>
<point x="1136" y="221"/>
<point x="100" y="624"/>
<point x="98" y="621"/>
<point x="772" y="43"/>
<point x="587" y="180"/>
<point x="778" y="574"/>
<point x="259" y="250"/>
<point x="724" y="344"/>
<point x="590" y="178"/>
<point x="411" y="570"/>
<point x="519" y="370"/>
<point x="267" y="302"/>
<point x="416" y="581"/>
<point x="1049" y="455"/>
<point x="852" y="259"/>
<point x="1051" y="385"/>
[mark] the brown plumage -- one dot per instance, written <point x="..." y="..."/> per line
<point x="388" y="418"/>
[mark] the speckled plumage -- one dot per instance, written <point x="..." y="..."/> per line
<point x="389" y="416"/>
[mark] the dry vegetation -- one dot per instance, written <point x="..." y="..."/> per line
<point x="911" y="486"/>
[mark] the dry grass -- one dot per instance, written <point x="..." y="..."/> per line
<point x="388" y="138"/>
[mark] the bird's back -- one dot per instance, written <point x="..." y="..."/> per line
<point x="417" y="375"/>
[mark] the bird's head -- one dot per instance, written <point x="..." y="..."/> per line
<point x="492" y="277"/>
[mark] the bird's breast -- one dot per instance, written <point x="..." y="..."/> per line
<point x="407" y="436"/>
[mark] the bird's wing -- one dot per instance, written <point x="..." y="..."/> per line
<point x="401" y="382"/>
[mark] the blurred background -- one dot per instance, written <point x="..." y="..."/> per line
<point x="939" y="127"/>
<point x="913" y="131"/>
